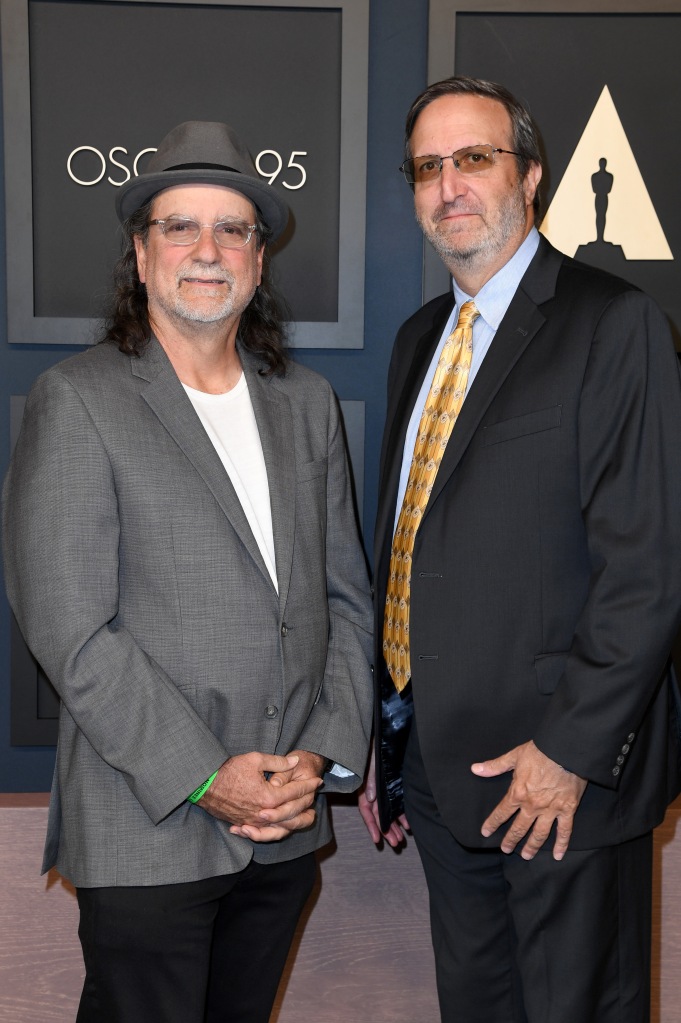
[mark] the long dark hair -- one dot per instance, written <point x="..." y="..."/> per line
<point x="261" y="328"/>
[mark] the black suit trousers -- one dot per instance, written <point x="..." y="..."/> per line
<point x="538" y="941"/>
<point x="209" y="951"/>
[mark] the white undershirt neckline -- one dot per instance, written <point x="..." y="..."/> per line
<point x="230" y="423"/>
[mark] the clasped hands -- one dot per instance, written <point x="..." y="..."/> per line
<point x="266" y="809"/>
<point x="541" y="792"/>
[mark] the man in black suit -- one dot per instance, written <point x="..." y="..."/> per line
<point x="528" y="587"/>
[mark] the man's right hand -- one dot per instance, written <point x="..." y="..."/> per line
<point x="368" y="808"/>
<point x="241" y="795"/>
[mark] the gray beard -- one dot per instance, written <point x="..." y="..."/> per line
<point x="511" y="220"/>
<point x="460" y="259"/>
<point x="186" y="312"/>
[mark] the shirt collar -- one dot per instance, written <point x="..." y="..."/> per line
<point x="495" y="296"/>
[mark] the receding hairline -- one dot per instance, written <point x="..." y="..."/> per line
<point x="459" y="96"/>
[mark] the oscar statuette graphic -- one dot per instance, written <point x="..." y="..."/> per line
<point x="626" y="226"/>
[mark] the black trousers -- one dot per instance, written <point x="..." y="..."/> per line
<point x="538" y="941"/>
<point x="209" y="951"/>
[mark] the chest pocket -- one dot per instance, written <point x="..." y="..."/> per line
<point x="522" y="426"/>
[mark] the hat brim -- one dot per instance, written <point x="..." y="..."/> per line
<point x="137" y="191"/>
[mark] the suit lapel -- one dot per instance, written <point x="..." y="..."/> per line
<point x="166" y="397"/>
<point x="275" y="424"/>
<point x="517" y="329"/>
<point x="519" y="326"/>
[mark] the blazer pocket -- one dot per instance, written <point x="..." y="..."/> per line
<point x="549" y="669"/>
<point x="311" y="470"/>
<point x="521" y="426"/>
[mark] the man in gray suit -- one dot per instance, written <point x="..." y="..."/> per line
<point x="182" y="558"/>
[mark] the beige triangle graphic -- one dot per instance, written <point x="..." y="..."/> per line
<point x="630" y="218"/>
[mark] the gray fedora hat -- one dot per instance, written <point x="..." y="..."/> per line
<point x="203" y="153"/>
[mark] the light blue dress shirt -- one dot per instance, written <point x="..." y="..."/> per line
<point x="491" y="301"/>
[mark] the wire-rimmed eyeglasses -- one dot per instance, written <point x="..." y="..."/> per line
<point x="229" y="234"/>
<point x="469" y="160"/>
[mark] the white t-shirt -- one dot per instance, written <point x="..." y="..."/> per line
<point x="229" y="421"/>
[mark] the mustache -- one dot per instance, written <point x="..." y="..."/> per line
<point x="206" y="271"/>
<point x="457" y="206"/>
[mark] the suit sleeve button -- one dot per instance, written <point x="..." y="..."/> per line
<point x="284" y="629"/>
<point x="631" y="736"/>
<point x="620" y="760"/>
<point x="271" y="711"/>
<point x="626" y="748"/>
<point x="615" y="771"/>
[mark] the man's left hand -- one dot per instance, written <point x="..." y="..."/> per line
<point x="540" y="793"/>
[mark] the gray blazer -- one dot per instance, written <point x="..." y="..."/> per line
<point x="140" y="589"/>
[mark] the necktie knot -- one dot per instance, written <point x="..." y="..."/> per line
<point x="468" y="314"/>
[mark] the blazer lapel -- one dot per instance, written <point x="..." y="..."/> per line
<point x="275" y="423"/>
<point x="166" y="397"/>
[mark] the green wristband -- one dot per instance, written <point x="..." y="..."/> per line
<point x="202" y="789"/>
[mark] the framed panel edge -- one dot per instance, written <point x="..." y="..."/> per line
<point x="345" y="332"/>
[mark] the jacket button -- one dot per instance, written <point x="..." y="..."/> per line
<point x="631" y="736"/>
<point x="271" y="711"/>
<point x="620" y="760"/>
<point x="615" y="771"/>
<point x="626" y="748"/>
<point x="284" y="629"/>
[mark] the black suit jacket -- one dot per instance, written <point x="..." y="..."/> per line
<point x="546" y="577"/>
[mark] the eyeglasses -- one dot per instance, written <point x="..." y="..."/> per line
<point x="470" y="160"/>
<point x="229" y="234"/>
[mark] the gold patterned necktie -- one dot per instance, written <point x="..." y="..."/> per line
<point x="442" y="407"/>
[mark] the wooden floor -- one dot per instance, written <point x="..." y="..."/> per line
<point x="363" y="955"/>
